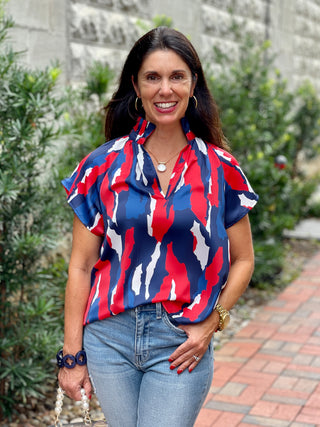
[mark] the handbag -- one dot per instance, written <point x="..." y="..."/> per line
<point x="85" y="412"/>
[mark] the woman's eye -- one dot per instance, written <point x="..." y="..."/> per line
<point x="152" y="77"/>
<point x="177" y="77"/>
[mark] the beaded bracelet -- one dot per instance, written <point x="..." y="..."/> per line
<point x="79" y="359"/>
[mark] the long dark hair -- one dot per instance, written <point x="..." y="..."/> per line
<point x="121" y="114"/>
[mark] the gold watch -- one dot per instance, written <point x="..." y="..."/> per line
<point x="224" y="317"/>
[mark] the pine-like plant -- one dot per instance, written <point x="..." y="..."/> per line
<point x="30" y="307"/>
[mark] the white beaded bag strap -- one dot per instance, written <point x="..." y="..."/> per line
<point x="84" y="403"/>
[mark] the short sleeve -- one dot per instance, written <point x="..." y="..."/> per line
<point x="240" y="198"/>
<point x="83" y="194"/>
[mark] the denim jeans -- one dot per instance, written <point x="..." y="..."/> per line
<point x="129" y="368"/>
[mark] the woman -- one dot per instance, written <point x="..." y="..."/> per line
<point x="162" y="245"/>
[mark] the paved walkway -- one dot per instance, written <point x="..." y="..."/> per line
<point x="269" y="373"/>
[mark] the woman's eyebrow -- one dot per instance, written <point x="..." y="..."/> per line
<point x="157" y="72"/>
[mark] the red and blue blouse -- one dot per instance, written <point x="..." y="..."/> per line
<point x="171" y="248"/>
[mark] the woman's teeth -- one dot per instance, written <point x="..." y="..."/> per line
<point x="166" y="104"/>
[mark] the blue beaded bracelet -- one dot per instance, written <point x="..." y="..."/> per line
<point x="79" y="359"/>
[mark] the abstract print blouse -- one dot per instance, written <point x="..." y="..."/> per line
<point x="170" y="248"/>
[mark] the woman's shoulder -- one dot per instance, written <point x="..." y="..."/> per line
<point x="223" y="155"/>
<point x="100" y="154"/>
<point x="96" y="163"/>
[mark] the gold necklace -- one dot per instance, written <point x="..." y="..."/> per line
<point x="161" y="166"/>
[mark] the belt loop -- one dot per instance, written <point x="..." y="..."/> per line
<point x="158" y="309"/>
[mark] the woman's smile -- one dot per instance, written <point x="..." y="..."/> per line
<point x="165" y="107"/>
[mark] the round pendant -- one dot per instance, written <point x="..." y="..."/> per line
<point x="161" y="167"/>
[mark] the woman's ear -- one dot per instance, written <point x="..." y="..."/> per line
<point x="194" y="83"/>
<point x="135" y="86"/>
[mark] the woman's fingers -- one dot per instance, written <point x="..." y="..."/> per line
<point x="187" y="356"/>
<point x="190" y="353"/>
<point x="187" y="362"/>
<point x="72" y="380"/>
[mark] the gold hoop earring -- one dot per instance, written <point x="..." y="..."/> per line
<point x="195" y="102"/>
<point x="136" y="103"/>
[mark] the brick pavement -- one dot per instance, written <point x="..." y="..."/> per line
<point x="269" y="373"/>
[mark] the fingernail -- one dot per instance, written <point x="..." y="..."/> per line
<point x="179" y="371"/>
<point x="172" y="367"/>
<point x="170" y="360"/>
<point x="90" y="397"/>
<point x="190" y="370"/>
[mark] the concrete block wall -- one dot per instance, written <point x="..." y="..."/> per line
<point x="40" y="32"/>
<point x="102" y="30"/>
<point x="77" y="32"/>
<point x="216" y="20"/>
<point x="306" y="42"/>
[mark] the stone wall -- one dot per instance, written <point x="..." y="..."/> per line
<point x="77" y="32"/>
<point x="41" y="32"/>
<point x="103" y="30"/>
<point x="306" y="42"/>
<point x="216" y="20"/>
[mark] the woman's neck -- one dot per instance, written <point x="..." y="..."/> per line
<point x="166" y="140"/>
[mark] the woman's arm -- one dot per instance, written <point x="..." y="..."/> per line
<point x="241" y="269"/>
<point x="84" y="255"/>
<point x="242" y="263"/>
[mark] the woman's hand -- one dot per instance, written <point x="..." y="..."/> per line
<point x="72" y="380"/>
<point x="200" y="334"/>
<point x="199" y="337"/>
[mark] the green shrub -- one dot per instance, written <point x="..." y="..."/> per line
<point x="98" y="79"/>
<point x="30" y="304"/>
<point x="83" y="127"/>
<point x="263" y="119"/>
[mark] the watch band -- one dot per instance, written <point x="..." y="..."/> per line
<point x="224" y="317"/>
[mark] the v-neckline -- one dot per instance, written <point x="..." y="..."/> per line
<point x="142" y="131"/>
<point x="175" y="174"/>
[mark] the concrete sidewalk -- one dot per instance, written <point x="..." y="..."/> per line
<point x="269" y="373"/>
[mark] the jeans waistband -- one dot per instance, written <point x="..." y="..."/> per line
<point x="156" y="307"/>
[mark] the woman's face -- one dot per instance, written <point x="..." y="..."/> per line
<point x="164" y="85"/>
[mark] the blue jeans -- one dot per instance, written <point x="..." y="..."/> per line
<point x="129" y="368"/>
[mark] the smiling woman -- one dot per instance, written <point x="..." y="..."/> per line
<point x="165" y="85"/>
<point x="204" y="120"/>
<point x="161" y="244"/>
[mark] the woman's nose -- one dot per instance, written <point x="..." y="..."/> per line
<point x="165" y="87"/>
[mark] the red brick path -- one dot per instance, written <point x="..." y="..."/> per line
<point x="269" y="373"/>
